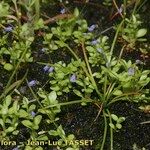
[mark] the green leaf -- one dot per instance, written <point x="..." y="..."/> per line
<point x="112" y="125"/>
<point x="4" y="110"/>
<point x="121" y="119"/>
<point x="76" y="12"/>
<point x="39" y="148"/>
<point x="71" y="137"/>
<point x="27" y="123"/>
<point x="117" y="92"/>
<point x="10" y="129"/>
<point x="52" y="97"/>
<point x="42" y="138"/>
<point x="4" y="9"/>
<point x="28" y="148"/>
<point x="53" y="132"/>
<point x="8" y="100"/>
<point x="141" y="33"/>
<point x="37" y="119"/>
<point x="2" y="123"/>
<point x="8" y="67"/>
<point x="32" y="107"/>
<point x="23" y="113"/>
<point x="114" y="117"/>
<point x="78" y="93"/>
<point x="118" y="125"/>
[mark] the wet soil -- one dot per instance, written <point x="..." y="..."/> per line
<point x="80" y="120"/>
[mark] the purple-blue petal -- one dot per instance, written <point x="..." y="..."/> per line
<point x="51" y="69"/>
<point x="91" y="28"/>
<point x="94" y="42"/>
<point x="32" y="83"/>
<point x="138" y="62"/>
<point x="62" y="11"/>
<point x="8" y="29"/>
<point x="46" y="68"/>
<point x="16" y="148"/>
<point x="131" y="71"/>
<point x="73" y="78"/>
<point x="33" y="113"/>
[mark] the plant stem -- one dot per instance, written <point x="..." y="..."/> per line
<point x="115" y="39"/>
<point x="111" y="131"/>
<point x="13" y="74"/>
<point x="71" y="102"/>
<point x="105" y="131"/>
<point x="90" y="71"/>
<point x="89" y="74"/>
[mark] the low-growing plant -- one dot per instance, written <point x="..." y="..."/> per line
<point x="132" y="32"/>
<point x="91" y="73"/>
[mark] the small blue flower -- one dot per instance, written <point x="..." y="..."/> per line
<point x="33" y="113"/>
<point x="8" y="29"/>
<point x="94" y="42"/>
<point x="91" y="28"/>
<point x="16" y="148"/>
<point x="100" y="50"/>
<point x="120" y="10"/>
<point x="32" y="83"/>
<point x="138" y="62"/>
<point x="63" y="11"/>
<point x="73" y="78"/>
<point x="131" y="71"/>
<point x="51" y="69"/>
<point x="46" y="68"/>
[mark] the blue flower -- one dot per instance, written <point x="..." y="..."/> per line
<point x="120" y="10"/>
<point x="138" y="62"/>
<point x="8" y="29"/>
<point x="63" y="11"/>
<point x="46" y="68"/>
<point x="73" y="78"/>
<point x="131" y="71"/>
<point x="91" y="28"/>
<point x="16" y="148"/>
<point x="33" y="113"/>
<point x="32" y="83"/>
<point x="100" y="50"/>
<point x="94" y="42"/>
<point x="51" y="69"/>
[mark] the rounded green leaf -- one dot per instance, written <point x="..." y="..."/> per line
<point x="141" y="33"/>
<point x="8" y="66"/>
<point x="114" y="117"/>
<point x="112" y="125"/>
<point x="37" y="119"/>
<point x="76" y="12"/>
<point x="118" y="125"/>
<point x="117" y="92"/>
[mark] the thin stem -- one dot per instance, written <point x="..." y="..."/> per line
<point x="116" y="6"/>
<point x="105" y="131"/>
<point x="89" y="74"/>
<point x="90" y="71"/>
<point x="115" y="39"/>
<point x="13" y="74"/>
<point x="111" y="131"/>
<point x="118" y="98"/>
<point x="73" y="53"/>
<point x="71" y="102"/>
<point x="121" y="52"/>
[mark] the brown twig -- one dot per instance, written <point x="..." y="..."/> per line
<point x="58" y="17"/>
